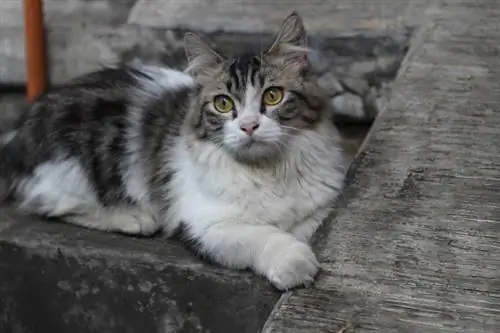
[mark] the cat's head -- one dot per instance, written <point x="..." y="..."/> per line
<point x="253" y="105"/>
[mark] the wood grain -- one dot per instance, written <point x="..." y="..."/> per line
<point x="415" y="243"/>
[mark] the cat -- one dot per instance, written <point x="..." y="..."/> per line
<point x="240" y="154"/>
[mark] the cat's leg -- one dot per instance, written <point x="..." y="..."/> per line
<point x="129" y="220"/>
<point x="61" y="189"/>
<point x="269" y="251"/>
<point x="304" y="230"/>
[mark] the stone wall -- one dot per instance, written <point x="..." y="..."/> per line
<point x="84" y="34"/>
<point x="355" y="51"/>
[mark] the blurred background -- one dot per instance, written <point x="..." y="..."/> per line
<point x="358" y="44"/>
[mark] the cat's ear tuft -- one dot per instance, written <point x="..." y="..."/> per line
<point x="291" y="41"/>
<point x="201" y="57"/>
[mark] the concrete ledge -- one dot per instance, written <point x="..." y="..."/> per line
<point x="413" y="246"/>
<point x="246" y="16"/>
<point x="59" y="278"/>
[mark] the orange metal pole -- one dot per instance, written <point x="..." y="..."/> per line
<point x="35" y="48"/>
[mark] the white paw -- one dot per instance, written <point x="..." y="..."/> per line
<point x="292" y="265"/>
<point x="135" y="223"/>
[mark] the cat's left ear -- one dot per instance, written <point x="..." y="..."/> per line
<point x="291" y="41"/>
<point x="201" y="57"/>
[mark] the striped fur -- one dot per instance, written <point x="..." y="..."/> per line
<point x="144" y="149"/>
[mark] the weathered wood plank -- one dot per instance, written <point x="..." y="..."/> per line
<point x="415" y="243"/>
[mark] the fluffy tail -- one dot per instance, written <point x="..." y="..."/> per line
<point x="8" y="173"/>
<point x="7" y="137"/>
<point x="12" y="114"/>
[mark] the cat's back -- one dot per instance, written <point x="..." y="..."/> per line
<point x="102" y="97"/>
<point x="97" y="106"/>
<point x="102" y="121"/>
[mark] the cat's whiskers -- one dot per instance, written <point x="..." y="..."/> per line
<point x="281" y="148"/>
<point x="309" y="133"/>
<point x="291" y="128"/>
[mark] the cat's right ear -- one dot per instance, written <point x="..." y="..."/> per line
<point x="201" y="57"/>
<point x="291" y="42"/>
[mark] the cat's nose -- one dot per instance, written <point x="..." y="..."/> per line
<point x="250" y="127"/>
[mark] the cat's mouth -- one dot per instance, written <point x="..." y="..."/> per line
<point x="251" y="142"/>
<point x="254" y="150"/>
<point x="254" y="143"/>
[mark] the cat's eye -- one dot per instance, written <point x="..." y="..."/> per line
<point x="223" y="103"/>
<point x="273" y="96"/>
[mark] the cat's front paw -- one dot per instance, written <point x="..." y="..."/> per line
<point x="292" y="265"/>
<point x="135" y="223"/>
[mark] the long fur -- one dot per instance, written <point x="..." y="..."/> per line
<point x="143" y="149"/>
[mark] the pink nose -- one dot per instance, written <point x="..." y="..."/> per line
<point x="249" y="128"/>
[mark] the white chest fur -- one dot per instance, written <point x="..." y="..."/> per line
<point x="210" y="187"/>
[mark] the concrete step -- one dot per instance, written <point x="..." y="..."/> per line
<point x="59" y="278"/>
<point x="414" y="246"/>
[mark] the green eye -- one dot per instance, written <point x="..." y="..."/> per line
<point x="223" y="103"/>
<point x="273" y="96"/>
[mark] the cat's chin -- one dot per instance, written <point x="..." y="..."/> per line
<point x="255" y="152"/>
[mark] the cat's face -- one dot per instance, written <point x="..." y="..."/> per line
<point x="253" y="105"/>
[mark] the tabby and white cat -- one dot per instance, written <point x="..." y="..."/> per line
<point x="240" y="154"/>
